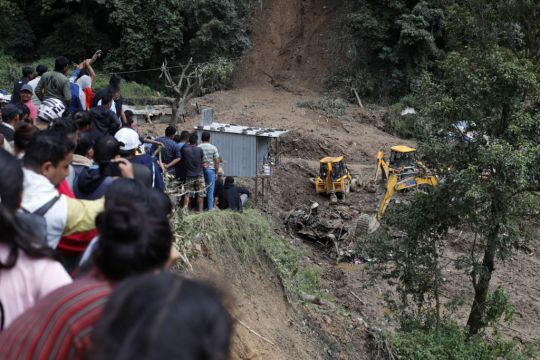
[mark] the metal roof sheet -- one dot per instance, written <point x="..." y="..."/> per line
<point x="243" y="130"/>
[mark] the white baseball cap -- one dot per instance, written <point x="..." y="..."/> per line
<point x="128" y="139"/>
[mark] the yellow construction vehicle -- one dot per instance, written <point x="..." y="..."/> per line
<point x="334" y="178"/>
<point x="402" y="160"/>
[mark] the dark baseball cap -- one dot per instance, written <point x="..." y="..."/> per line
<point x="28" y="88"/>
<point x="9" y="111"/>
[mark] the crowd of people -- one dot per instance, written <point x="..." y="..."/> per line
<point x="86" y="241"/>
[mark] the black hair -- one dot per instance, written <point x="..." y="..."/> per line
<point x="229" y="180"/>
<point x="64" y="125"/>
<point x="15" y="235"/>
<point x="107" y="97"/>
<point x="60" y="63"/>
<point x="41" y="69"/>
<point x="170" y="131"/>
<point x="23" y="135"/>
<point x="163" y="316"/>
<point x="130" y="191"/>
<point x="47" y="146"/>
<point x="129" y="117"/>
<point x="115" y="81"/>
<point x="132" y="240"/>
<point x="27" y="70"/>
<point x="184" y="136"/>
<point x="84" y="144"/>
<point x="193" y="138"/>
<point x="82" y="119"/>
<point x="176" y="138"/>
<point x="205" y="136"/>
<point x="106" y="148"/>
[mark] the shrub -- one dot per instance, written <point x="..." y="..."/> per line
<point x="328" y="106"/>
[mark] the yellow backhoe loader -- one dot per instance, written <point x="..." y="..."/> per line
<point x="334" y="178"/>
<point x="402" y="160"/>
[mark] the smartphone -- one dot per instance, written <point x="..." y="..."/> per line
<point x="108" y="168"/>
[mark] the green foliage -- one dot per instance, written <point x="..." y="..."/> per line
<point x="10" y="71"/>
<point x="216" y="74"/>
<point x="242" y="238"/>
<point x="328" y="106"/>
<point x="451" y="342"/>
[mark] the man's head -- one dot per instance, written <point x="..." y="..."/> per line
<point x="41" y="69"/>
<point x="28" y="73"/>
<point x="67" y="127"/>
<point x="26" y="93"/>
<point x="83" y="121"/>
<point x="115" y="81"/>
<point x="85" y="146"/>
<point x="61" y="64"/>
<point x="10" y="114"/>
<point x="49" y="153"/>
<point x="23" y="136"/>
<point x="107" y="99"/>
<point x="129" y="141"/>
<point x="229" y="180"/>
<point x="170" y="131"/>
<point x="184" y="136"/>
<point x="106" y="148"/>
<point x="193" y="138"/>
<point x="205" y="137"/>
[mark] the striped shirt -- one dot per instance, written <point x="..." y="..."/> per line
<point x="210" y="154"/>
<point x="59" y="326"/>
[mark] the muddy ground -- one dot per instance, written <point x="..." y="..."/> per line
<point x="305" y="331"/>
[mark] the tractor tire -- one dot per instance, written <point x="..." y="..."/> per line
<point x="354" y="185"/>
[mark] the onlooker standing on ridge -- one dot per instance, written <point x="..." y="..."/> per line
<point x="193" y="157"/>
<point x="103" y="119"/>
<point x="170" y="155"/>
<point x="10" y="119"/>
<point x="40" y="70"/>
<point x="211" y="166"/>
<point x="55" y="84"/>
<point x="26" y="94"/>
<point x="27" y="75"/>
<point x="114" y="89"/>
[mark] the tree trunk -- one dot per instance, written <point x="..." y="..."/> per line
<point x="178" y="111"/>
<point x="482" y="275"/>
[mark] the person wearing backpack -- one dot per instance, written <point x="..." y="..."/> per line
<point x="45" y="165"/>
<point x="28" y="271"/>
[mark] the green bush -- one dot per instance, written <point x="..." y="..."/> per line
<point x="452" y="342"/>
<point x="328" y="106"/>
<point x="216" y="74"/>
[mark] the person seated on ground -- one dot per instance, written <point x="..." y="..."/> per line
<point x="233" y="197"/>
<point x="132" y="241"/>
<point x="40" y="70"/>
<point x="195" y="187"/>
<point x="23" y="135"/>
<point x="104" y="121"/>
<point x="93" y="181"/>
<point x="219" y="186"/>
<point x="46" y="164"/>
<point x="27" y="269"/>
<point x="48" y="111"/>
<point x="55" y="84"/>
<point x="10" y="120"/>
<point x="83" y="121"/>
<point x="170" y="154"/>
<point x="83" y="155"/>
<point x="27" y="75"/>
<point x="27" y="104"/>
<point x="114" y="88"/>
<point x="129" y="149"/>
<point x="163" y="316"/>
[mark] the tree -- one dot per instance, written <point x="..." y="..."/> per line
<point x="481" y="128"/>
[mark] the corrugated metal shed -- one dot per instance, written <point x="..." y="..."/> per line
<point x="242" y="148"/>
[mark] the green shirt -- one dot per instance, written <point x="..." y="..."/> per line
<point x="53" y="84"/>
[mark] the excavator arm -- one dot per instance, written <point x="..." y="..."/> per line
<point x="382" y="166"/>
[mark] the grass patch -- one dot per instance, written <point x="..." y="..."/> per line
<point x="244" y="238"/>
<point x="328" y="106"/>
